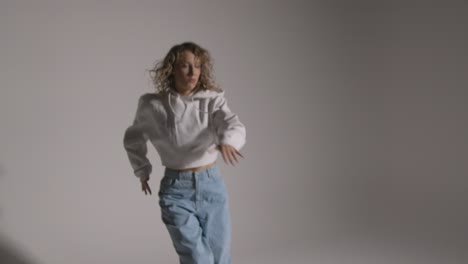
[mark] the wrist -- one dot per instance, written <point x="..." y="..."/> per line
<point x="144" y="178"/>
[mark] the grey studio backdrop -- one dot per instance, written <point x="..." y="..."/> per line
<point x="356" y="128"/>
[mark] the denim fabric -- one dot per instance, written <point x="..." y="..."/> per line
<point x="195" y="210"/>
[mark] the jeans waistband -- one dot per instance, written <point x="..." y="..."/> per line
<point x="172" y="173"/>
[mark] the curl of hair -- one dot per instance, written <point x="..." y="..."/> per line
<point x="163" y="79"/>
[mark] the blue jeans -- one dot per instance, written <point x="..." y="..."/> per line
<point x="195" y="210"/>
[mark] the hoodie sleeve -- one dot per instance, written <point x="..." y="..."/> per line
<point x="228" y="127"/>
<point x="135" y="140"/>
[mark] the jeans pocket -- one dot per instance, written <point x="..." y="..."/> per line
<point x="167" y="182"/>
<point x="168" y="190"/>
<point x="216" y="178"/>
<point x="217" y="191"/>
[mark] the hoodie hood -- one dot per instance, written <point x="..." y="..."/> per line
<point x="179" y="103"/>
<point x="199" y="94"/>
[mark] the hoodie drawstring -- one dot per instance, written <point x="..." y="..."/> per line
<point x="173" y="110"/>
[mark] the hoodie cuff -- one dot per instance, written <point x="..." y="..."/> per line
<point x="144" y="171"/>
<point x="235" y="140"/>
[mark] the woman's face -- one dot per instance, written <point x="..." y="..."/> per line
<point x="186" y="73"/>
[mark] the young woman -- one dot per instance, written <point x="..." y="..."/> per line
<point x="188" y="122"/>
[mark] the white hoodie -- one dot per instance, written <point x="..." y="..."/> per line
<point x="183" y="129"/>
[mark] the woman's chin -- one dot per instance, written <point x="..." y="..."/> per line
<point x="192" y="88"/>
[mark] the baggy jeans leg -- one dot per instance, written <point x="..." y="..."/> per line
<point x="215" y="218"/>
<point x="195" y="211"/>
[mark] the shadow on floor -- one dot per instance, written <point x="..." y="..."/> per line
<point x="9" y="254"/>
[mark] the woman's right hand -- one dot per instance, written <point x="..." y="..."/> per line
<point x="144" y="185"/>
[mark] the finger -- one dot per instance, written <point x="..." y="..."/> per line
<point x="223" y="152"/>
<point x="229" y="153"/>
<point x="239" y="153"/>
<point x="228" y="156"/>
<point x="233" y="153"/>
<point x="149" y="189"/>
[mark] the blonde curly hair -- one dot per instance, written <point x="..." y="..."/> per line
<point x="162" y="76"/>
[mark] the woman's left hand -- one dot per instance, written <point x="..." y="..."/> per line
<point x="229" y="153"/>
